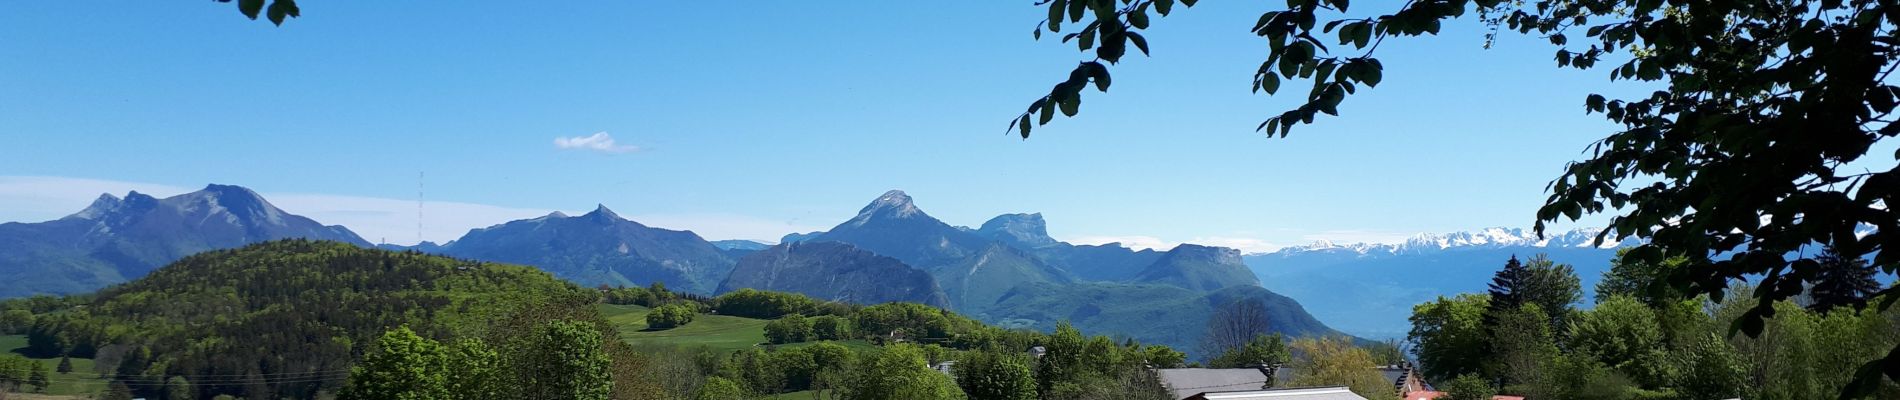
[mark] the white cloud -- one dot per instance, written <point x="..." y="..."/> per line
<point x="42" y="198"/>
<point x="599" y="141"/>
<point x="1133" y="242"/>
<point x="1245" y="244"/>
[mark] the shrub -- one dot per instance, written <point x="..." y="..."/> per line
<point x="670" y="316"/>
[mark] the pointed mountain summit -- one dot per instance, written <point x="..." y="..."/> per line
<point x="115" y="239"/>
<point x="893" y="204"/>
<point x="602" y="214"/>
<point x="893" y="226"/>
<point x="598" y="248"/>
<point x="1022" y="230"/>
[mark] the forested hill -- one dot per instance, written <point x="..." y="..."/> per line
<point x="288" y="318"/>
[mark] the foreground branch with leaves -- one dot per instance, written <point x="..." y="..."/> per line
<point x="1747" y="164"/>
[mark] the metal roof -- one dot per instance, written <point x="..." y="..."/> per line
<point x="1185" y="382"/>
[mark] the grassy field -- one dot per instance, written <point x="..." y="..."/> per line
<point x="719" y="332"/>
<point x="81" y="381"/>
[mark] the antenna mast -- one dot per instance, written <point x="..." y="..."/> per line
<point x="419" y="176"/>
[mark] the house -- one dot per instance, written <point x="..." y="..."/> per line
<point x="1404" y="378"/>
<point x="1187" y="382"/>
<point x="945" y="367"/>
<point x="1319" y="393"/>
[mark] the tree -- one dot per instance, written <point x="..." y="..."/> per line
<point x="1623" y="334"/>
<point x="898" y="372"/>
<point x="987" y="375"/>
<point x="117" y="391"/>
<point x="1263" y="350"/>
<point x="1387" y="352"/>
<point x="1469" y="387"/>
<point x="1521" y="345"/>
<point x="178" y="388"/>
<point x="65" y="365"/>
<point x="1841" y="282"/>
<point x="473" y="370"/>
<point x="1448" y="336"/>
<point x="37" y="377"/>
<point x="1553" y="286"/>
<point x="792" y="328"/>
<point x="403" y="366"/>
<point x="1158" y="356"/>
<point x="717" y="388"/>
<point x="1062" y="359"/>
<point x="566" y="362"/>
<point x="1235" y="324"/>
<point x="1711" y="370"/>
<point x="1335" y="361"/>
<point x="15" y="321"/>
<point x="1509" y="288"/>
<point x="831" y="327"/>
<point x="1747" y="151"/>
<point x="1639" y="279"/>
<point x="670" y="316"/>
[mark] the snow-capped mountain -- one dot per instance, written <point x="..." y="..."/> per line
<point x="1486" y="238"/>
<point x="1373" y="286"/>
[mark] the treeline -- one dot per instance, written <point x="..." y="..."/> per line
<point x="896" y="350"/>
<point x="289" y="319"/>
<point x="1644" y="340"/>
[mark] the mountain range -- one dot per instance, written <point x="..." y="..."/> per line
<point x="1008" y="271"/>
<point x="120" y="238"/>
<point x="1372" y="287"/>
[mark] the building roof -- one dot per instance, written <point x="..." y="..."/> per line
<point x="1185" y="382"/>
<point x="1321" y="393"/>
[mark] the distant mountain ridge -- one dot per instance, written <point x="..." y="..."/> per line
<point x="600" y="248"/>
<point x="836" y="272"/>
<point x="116" y="239"/>
<point x="1488" y="237"/>
<point x="1008" y="270"/>
<point x="1379" y="283"/>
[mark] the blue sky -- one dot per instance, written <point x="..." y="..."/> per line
<point x="754" y="119"/>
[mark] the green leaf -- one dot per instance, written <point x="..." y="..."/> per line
<point x="1141" y="43"/>
<point x="1088" y="38"/>
<point x="1055" y="14"/>
<point x="280" y="9"/>
<point x="1139" y="17"/>
<point x="1075" y="10"/>
<point x="1163" y="6"/>
<point x="1098" y="73"/>
<point x="1070" y="105"/>
<point x="1048" y="113"/>
<point x="1023" y="126"/>
<point x="1373" y="74"/>
<point x="1270" y="82"/>
<point x="1342" y="4"/>
<point x="250" y="8"/>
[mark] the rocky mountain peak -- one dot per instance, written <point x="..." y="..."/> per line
<point x="1024" y="229"/>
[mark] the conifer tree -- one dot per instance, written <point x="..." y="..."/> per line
<point x="1841" y="282"/>
<point x="1507" y="291"/>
